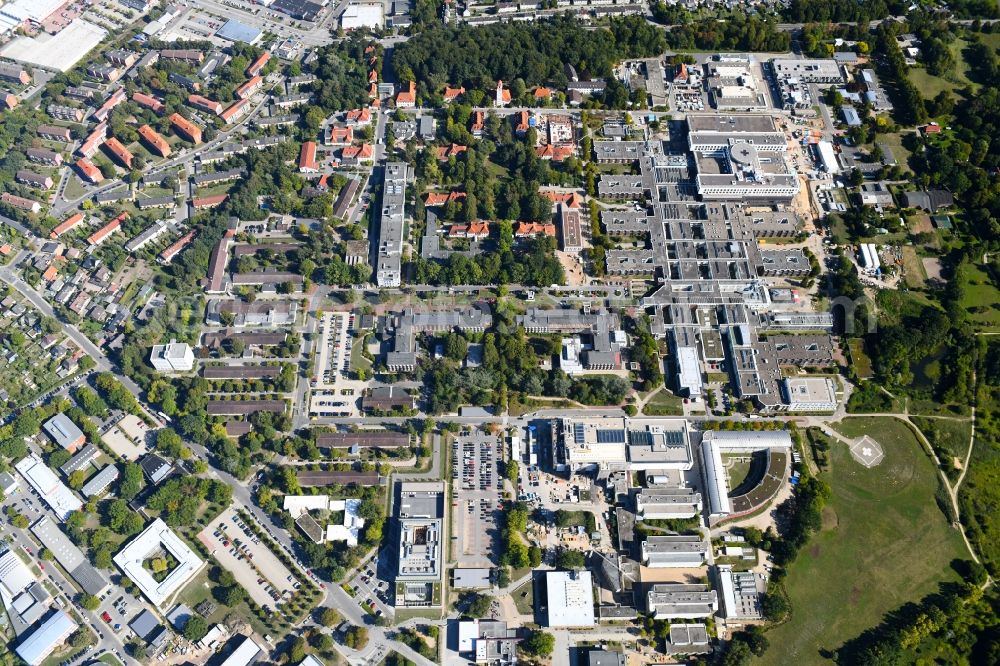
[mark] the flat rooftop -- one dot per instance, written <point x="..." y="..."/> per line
<point x="59" y="52"/>
<point x="131" y="560"/>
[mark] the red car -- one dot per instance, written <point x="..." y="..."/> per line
<point x="106" y="617"/>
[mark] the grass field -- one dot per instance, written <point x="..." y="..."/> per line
<point x="74" y="188"/>
<point x="862" y="363"/>
<point x="913" y="268"/>
<point x="198" y="590"/>
<point x="930" y="85"/>
<point x="980" y="297"/>
<point x="884" y="542"/>
<point x="737" y="469"/>
<point x="895" y="143"/>
<point x="524" y="598"/>
<point x="664" y="403"/>
<point x="949" y="437"/>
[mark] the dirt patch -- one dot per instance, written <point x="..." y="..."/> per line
<point x="573" y="268"/>
<point x="932" y="266"/>
<point x="913" y="269"/>
<point x="814" y="551"/>
<point x="920" y="224"/>
<point x="830" y="519"/>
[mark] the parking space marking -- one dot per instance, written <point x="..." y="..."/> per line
<point x="253" y="565"/>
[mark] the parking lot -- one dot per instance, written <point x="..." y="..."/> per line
<point x="334" y="392"/>
<point x="367" y="586"/>
<point x="334" y="349"/>
<point x="476" y="504"/>
<point x="253" y="565"/>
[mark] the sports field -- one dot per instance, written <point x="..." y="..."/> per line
<point x="884" y="542"/>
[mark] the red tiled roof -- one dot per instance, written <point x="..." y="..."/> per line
<point x="249" y="87"/>
<point x="441" y="198"/>
<point x="359" y="116"/>
<point x="444" y="152"/>
<point x="535" y="229"/>
<point x="571" y="199"/>
<point x="148" y="101"/>
<point x="120" y="152"/>
<point x="209" y="201"/>
<point x="89" y="171"/>
<point x="407" y="96"/>
<point x="234" y="110"/>
<point x="258" y="64"/>
<point x="176" y="247"/>
<point x="554" y="153"/>
<point x="363" y="152"/>
<point x="307" y="156"/>
<point x="186" y="127"/>
<point x="107" y="229"/>
<point x="68" y="224"/>
<point x="157" y="142"/>
<point x="205" y="103"/>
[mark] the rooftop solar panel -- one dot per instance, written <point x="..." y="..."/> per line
<point x="610" y="436"/>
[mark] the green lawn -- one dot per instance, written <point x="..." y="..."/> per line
<point x="930" y="85"/>
<point x="737" y="468"/>
<point x="980" y="297"/>
<point x="358" y="360"/>
<point x="884" y="543"/>
<point x="524" y="598"/>
<point x="949" y="437"/>
<point x="199" y="590"/>
<point x="862" y="363"/>
<point x="664" y="403"/>
<point x="74" y="188"/>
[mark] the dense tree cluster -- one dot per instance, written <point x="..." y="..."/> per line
<point x="535" y="265"/>
<point x="841" y="11"/>
<point x="179" y="500"/>
<point x="957" y="624"/>
<point x="342" y="69"/>
<point x="745" y="33"/>
<point x="533" y="52"/>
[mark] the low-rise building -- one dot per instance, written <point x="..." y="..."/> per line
<point x="44" y="156"/>
<point x="186" y="128"/>
<point x="155" y="142"/>
<point x="570" y="599"/>
<point x="679" y="601"/>
<point x="675" y="550"/>
<point x="172" y="357"/>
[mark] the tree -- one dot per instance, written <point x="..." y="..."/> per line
<point x="775" y="606"/>
<point x="513" y="471"/>
<point x="90" y="602"/>
<point x="77" y="478"/>
<point x="322" y="642"/>
<point x="329" y="617"/>
<point x="297" y="650"/>
<point x="103" y="558"/>
<point x="79" y="638"/>
<point x="478" y="604"/>
<point x="571" y="559"/>
<point x="230" y="596"/>
<point x="132" y="482"/>
<point x="196" y="628"/>
<point x="538" y="644"/>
